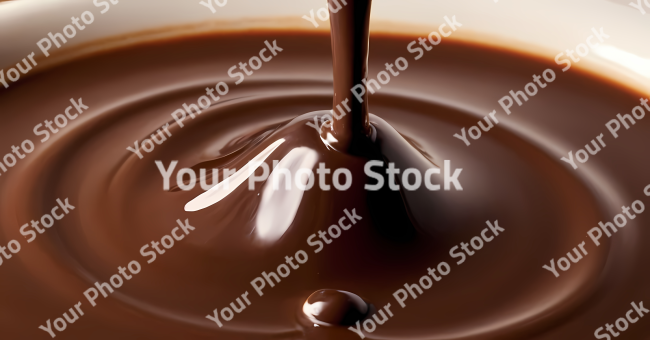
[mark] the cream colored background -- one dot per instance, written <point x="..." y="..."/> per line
<point x="542" y="26"/>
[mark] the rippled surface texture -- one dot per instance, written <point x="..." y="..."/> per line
<point x="512" y="174"/>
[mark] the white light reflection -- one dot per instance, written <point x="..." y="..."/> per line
<point x="313" y="309"/>
<point x="626" y="59"/>
<point x="279" y="205"/>
<point x="224" y="188"/>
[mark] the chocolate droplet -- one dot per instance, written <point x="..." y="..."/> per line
<point x="335" y="307"/>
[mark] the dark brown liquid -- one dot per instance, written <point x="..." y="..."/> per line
<point x="350" y="30"/>
<point x="511" y="175"/>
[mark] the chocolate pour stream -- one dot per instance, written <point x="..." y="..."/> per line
<point x="349" y="31"/>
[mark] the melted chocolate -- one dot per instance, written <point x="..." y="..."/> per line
<point x="335" y="307"/>
<point x="511" y="175"/>
<point x="349" y="30"/>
